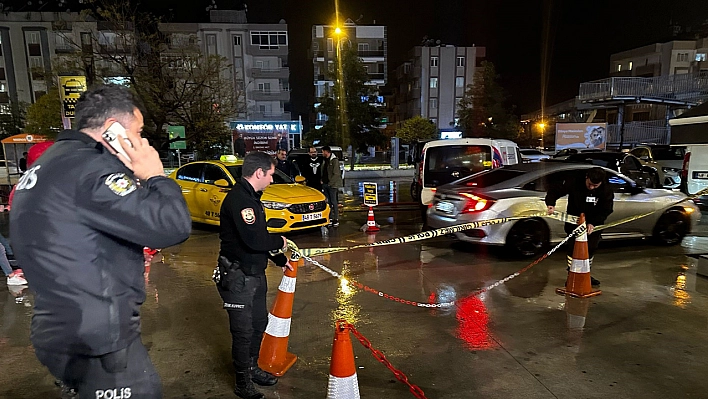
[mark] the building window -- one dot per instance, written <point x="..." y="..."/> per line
<point x="433" y="83"/>
<point x="460" y="81"/>
<point x="433" y="62"/>
<point x="237" y="40"/>
<point x="269" y="40"/>
<point x="682" y="57"/>
<point x="36" y="62"/>
<point x="330" y="44"/>
<point x="630" y="65"/>
<point x="433" y="103"/>
<point x="460" y="61"/>
<point x="264" y="87"/>
<point x="619" y="67"/>
<point x="32" y="37"/>
<point x="3" y="88"/>
<point x="434" y="121"/>
<point x="363" y="46"/>
<point x="700" y="57"/>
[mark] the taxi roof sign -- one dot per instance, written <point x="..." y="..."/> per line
<point x="228" y="158"/>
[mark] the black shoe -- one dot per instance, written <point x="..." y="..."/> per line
<point x="335" y="223"/>
<point x="244" y="387"/>
<point x="594" y="281"/>
<point x="261" y="377"/>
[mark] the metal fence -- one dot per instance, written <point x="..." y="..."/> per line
<point x="639" y="132"/>
<point x="685" y="88"/>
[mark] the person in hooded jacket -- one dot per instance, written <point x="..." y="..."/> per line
<point x="87" y="274"/>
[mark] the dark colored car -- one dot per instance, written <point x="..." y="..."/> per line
<point x="624" y="163"/>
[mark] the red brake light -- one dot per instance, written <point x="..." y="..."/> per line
<point x="475" y="203"/>
<point x="684" y="170"/>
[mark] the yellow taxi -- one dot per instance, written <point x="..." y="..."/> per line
<point x="289" y="206"/>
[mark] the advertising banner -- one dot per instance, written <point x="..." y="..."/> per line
<point x="70" y="89"/>
<point x="581" y="136"/>
<point x="267" y="137"/>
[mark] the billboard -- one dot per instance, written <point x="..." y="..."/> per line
<point x="267" y="136"/>
<point x="581" y="136"/>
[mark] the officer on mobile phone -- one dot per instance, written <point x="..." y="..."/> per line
<point x="246" y="246"/>
<point x="79" y="224"/>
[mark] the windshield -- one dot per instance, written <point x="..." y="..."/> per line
<point x="670" y="154"/>
<point x="490" y="178"/>
<point x="278" y="177"/>
<point x="451" y="162"/>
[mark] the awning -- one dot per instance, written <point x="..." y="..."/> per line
<point x="24" y="139"/>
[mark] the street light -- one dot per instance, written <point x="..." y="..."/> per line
<point x="542" y="126"/>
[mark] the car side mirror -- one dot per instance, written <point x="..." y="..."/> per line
<point x="644" y="158"/>
<point x="299" y="179"/>
<point x="222" y="183"/>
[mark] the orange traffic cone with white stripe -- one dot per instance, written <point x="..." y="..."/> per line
<point x="274" y="356"/>
<point x="343" y="383"/>
<point x="578" y="283"/>
<point x="371" y="226"/>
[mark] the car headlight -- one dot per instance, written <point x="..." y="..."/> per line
<point x="278" y="206"/>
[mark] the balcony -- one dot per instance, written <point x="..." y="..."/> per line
<point x="270" y="116"/>
<point x="256" y="50"/>
<point x="270" y="73"/>
<point x="270" y="95"/>
<point x="371" y="53"/>
<point x="66" y="49"/>
<point x="688" y="89"/>
<point x="376" y="76"/>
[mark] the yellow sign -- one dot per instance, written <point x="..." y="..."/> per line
<point x="371" y="196"/>
<point x="70" y="89"/>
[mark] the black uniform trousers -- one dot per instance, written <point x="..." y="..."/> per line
<point x="245" y="301"/>
<point x="593" y="242"/>
<point x="127" y="373"/>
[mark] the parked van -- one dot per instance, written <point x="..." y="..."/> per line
<point x="691" y="130"/>
<point x="445" y="161"/>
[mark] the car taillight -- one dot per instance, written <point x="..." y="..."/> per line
<point x="684" y="170"/>
<point x="475" y="203"/>
<point x="420" y="174"/>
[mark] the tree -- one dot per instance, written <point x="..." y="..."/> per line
<point x="482" y="111"/>
<point x="44" y="116"/>
<point x="176" y="82"/>
<point x="13" y="123"/>
<point x="351" y="117"/>
<point x="417" y="128"/>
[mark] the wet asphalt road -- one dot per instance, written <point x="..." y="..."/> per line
<point x="644" y="337"/>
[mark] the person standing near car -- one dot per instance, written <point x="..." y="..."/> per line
<point x="312" y="170"/>
<point x="246" y="246"/>
<point x="588" y="192"/>
<point x="79" y="223"/>
<point x="285" y="165"/>
<point x="331" y="183"/>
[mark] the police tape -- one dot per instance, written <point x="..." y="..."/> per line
<point x="356" y="284"/>
<point x="426" y="235"/>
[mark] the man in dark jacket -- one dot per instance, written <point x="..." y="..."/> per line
<point x="588" y="192"/>
<point x="79" y="222"/>
<point x="246" y="246"/>
<point x="312" y="170"/>
<point x="285" y="165"/>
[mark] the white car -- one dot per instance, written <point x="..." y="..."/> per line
<point x="533" y="155"/>
<point x="668" y="162"/>
<point x="521" y="189"/>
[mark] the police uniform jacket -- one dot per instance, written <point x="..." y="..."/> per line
<point x="79" y="224"/>
<point x="596" y="204"/>
<point x="244" y="234"/>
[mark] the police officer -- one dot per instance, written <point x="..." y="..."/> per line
<point x="79" y="223"/>
<point x="246" y="246"/>
<point x="588" y="192"/>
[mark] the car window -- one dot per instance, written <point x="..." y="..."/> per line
<point x="670" y="154"/>
<point x="213" y="173"/>
<point x="544" y="182"/>
<point x="191" y="172"/>
<point x="278" y="177"/>
<point x="640" y="152"/>
<point x="632" y="164"/>
<point x="618" y="183"/>
<point x="490" y="177"/>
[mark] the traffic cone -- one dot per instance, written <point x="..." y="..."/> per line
<point x="371" y="226"/>
<point x="578" y="282"/>
<point x="343" y="383"/>
<point x="274" y="356"/>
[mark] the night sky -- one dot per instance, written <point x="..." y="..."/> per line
<point x="583" y="34"/>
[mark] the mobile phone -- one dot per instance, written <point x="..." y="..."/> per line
<point x="111" y="135"/>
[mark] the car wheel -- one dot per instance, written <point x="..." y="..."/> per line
<point x="671" y="228"/>
<point x="528" y="237"/>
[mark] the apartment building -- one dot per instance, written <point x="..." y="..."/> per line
<point x="662" y="59"/>
<point x="433" y="82"/>
<point x="371" y="42"/>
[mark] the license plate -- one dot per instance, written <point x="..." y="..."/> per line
<point x="445" y="207"/>
<point x="700" y="175"/>
<point x="311" y="216"/>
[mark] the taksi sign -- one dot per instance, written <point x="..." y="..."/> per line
<point x="70" y="89"/>
<point x="371" y="194"/>
<point x="266" y="127"/>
